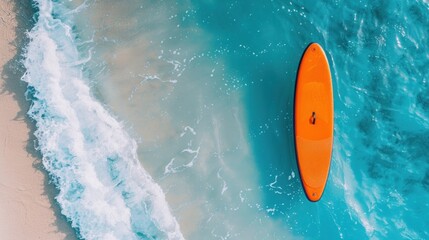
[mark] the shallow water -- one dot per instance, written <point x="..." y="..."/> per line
<point x="201" y="94"/>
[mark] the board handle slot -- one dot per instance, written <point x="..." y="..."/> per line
<point x="313" y="118"/>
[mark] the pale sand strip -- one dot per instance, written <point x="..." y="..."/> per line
<point x="27" y="208"/>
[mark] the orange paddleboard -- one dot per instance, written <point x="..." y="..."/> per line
<point x="314" y="121"/>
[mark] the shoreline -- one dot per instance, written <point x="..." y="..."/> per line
<point x="27" y="204"/>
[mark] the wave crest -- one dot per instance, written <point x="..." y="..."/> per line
<point x="103" y="190"/>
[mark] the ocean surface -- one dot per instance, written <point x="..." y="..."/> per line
<point x="173" y="119"/>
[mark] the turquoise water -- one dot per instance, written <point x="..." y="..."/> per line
<point x="173" y="119"/>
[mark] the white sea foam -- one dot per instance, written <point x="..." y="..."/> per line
<point x="103" y="189"/>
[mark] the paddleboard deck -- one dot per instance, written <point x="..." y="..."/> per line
<point x="314" y="121"/>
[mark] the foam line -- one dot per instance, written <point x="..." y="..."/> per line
<point x="103" y="190"/>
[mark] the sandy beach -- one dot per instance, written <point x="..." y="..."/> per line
<point x="27" y="206"/>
